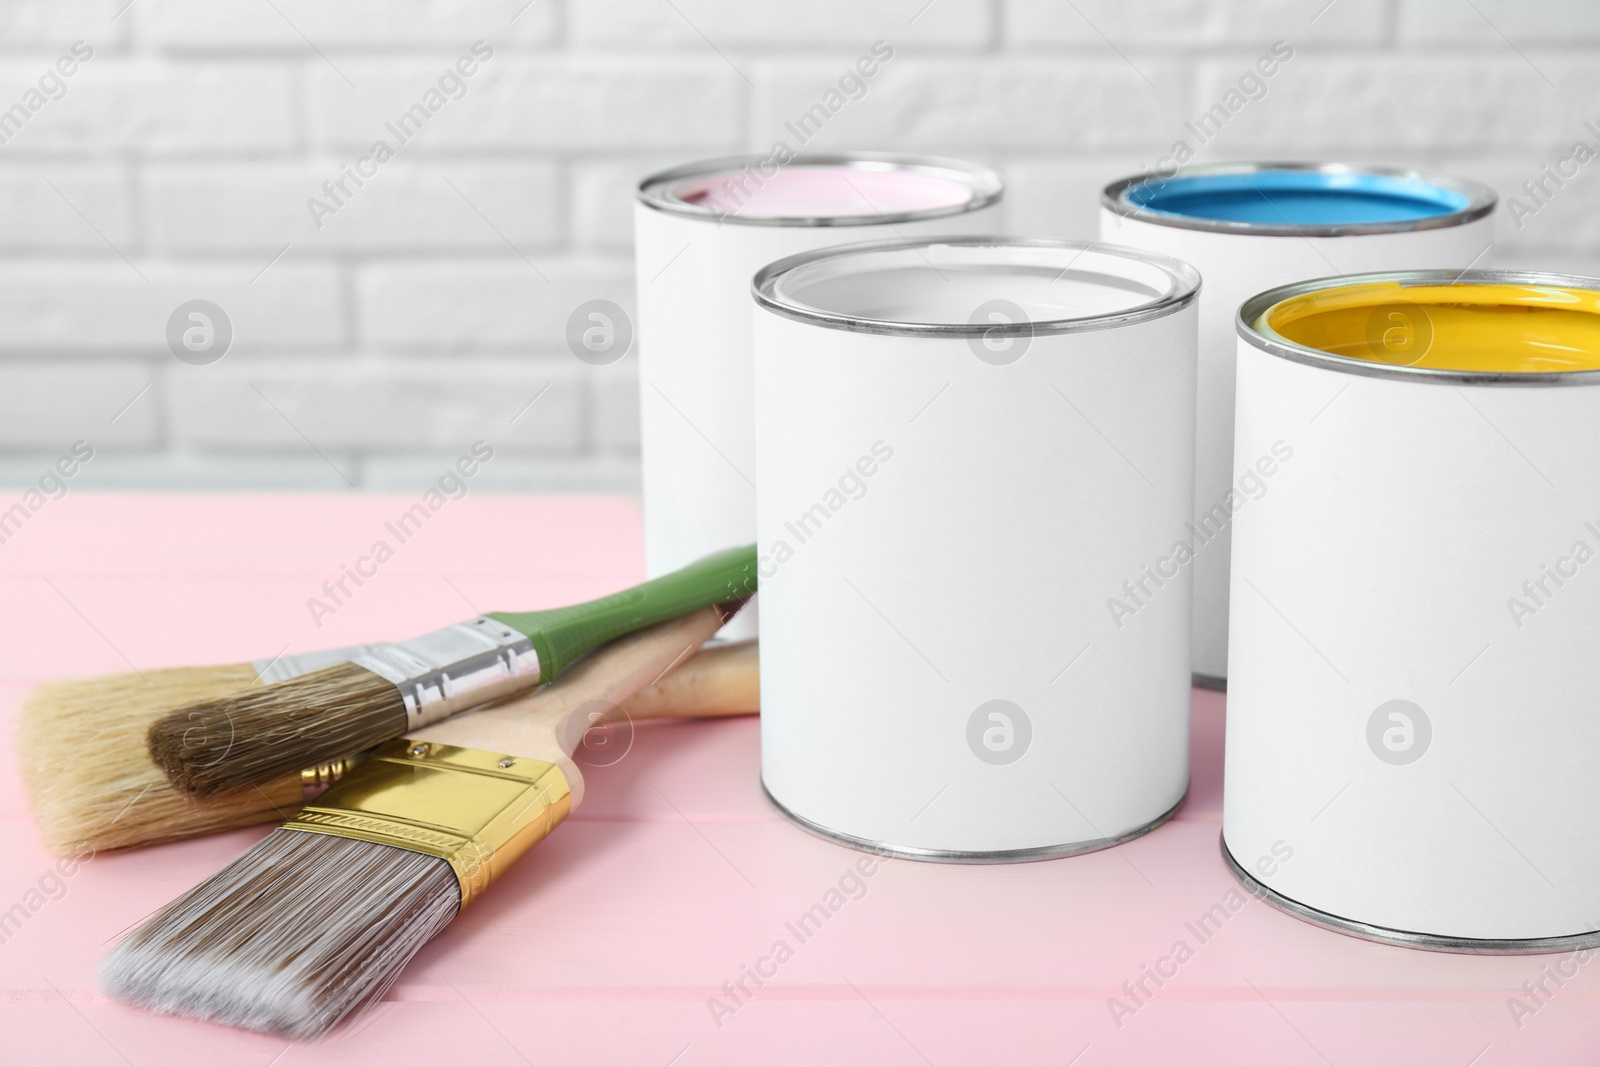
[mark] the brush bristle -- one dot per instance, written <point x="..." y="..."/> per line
<point x="290" y="938"/>
<point x="87" y="768"/>
<point x="230" y="742"/>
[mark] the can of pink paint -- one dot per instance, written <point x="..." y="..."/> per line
<point x="1412" y="728"/>
<point x="968" y="448"/>
<point x="1251" y="226"/>
<point x="701" y="232"/>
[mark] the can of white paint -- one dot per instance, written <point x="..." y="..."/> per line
<point x="1413" y="678"/>
<point x="1248" y="227"/>
<point x="701" y="232"/>
<point x="968" y="448"/>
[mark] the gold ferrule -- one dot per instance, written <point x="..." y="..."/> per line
<point x="478" y="811"/>
<point x="314" y="781"/>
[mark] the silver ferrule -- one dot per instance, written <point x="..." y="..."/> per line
<point x="459" y="667"/>
<point x="285" y="667"/>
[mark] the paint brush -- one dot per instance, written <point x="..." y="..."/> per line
<point x="93" y="787"/>
<point x="86" y="763"/>
<point x="231" y="742"/>
<point x="317" y="920"/>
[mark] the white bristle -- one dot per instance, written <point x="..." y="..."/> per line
<point x="292" y="937"/>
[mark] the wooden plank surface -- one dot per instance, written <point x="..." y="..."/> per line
<point x="613" y="941"/>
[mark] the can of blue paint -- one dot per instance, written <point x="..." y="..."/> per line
<point x="1248" y="227"/>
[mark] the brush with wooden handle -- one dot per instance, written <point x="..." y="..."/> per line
<point x="318" y="919"/>
<point x="252" y="736"/>
<point x="93" y="787"/>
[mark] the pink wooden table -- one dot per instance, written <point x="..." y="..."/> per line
<point x="607" y="944"/>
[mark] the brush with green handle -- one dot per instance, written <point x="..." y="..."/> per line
<point x="387" y="691"/>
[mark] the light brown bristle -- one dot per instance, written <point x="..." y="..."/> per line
<point x="87" y="768"/>
<point x="231" y="742"/>
<point x="292" y="937"/>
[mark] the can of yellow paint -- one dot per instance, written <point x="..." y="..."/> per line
<point x="1413" y="677"/>
<point x="1251" y="226"/>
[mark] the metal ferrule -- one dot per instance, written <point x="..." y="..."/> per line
<point x="314" y="781"/>
<point x="458" y="667"/>
<point x="285" y="667"/>
<point x="478" y="811"/>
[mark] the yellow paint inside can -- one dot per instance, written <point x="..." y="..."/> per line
<point x="1493" y="328"/>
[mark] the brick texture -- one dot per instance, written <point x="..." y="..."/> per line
<point x="205" y="151"/>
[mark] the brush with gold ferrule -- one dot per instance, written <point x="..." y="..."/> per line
<point x="93" y="787"/>
<point x="317" y="920"/>
<point x="252" y="736"/>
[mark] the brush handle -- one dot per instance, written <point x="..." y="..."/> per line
<point x="549" y="723"/>
<point x="562" y="635"/>
<point x="717" y="681"/>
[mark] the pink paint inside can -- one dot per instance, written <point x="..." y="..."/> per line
<point x="813" y="191"/>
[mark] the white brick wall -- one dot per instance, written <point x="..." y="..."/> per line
<point x="429" y="309"/>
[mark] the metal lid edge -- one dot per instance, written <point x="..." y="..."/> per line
<point x="1481" y="201"/>
<point x="1187" y="285"/>
<point x="988" y="188"/>
<point x="1257" y="305"/>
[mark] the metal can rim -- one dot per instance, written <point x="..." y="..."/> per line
<point x="1258" y="305"/>
<point x="987" y="187"/>
<point x="1184" y="291"/>
<point x="1481" y="200"/>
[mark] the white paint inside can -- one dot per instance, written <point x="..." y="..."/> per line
<point x="942" y="284"/>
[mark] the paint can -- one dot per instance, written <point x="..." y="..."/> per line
<point x="1248" y="227"/>
<point x="701" y="231"/>
<point x="968" y="448"/>
<point x="1411" y="710"/>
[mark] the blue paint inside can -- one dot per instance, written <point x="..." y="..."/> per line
<point x="1297" y="197"/>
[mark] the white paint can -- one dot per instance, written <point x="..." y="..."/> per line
<point x="701" y="232"/>
<point x="1248" y="227"/>
<point x="1412" y="727"/>
<point x="969" y="448"/>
